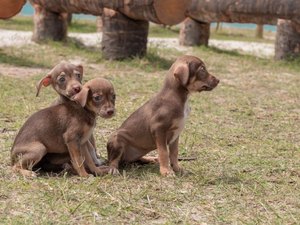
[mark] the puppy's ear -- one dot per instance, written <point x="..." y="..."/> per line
<point x="82" y="96"/>
<point x="45" y="81"/>
<point x="181" y="73"/>
<point x="80" y="68"/>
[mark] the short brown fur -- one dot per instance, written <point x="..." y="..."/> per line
<point x="159" y="122"/>
<point x="65" y="128"/>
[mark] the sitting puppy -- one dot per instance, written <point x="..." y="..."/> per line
<point x="65" y="128"/>
<point x="65" y="78"/>
<point x="159" y="122"/>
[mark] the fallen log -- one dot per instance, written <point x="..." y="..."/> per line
<point x="9" y="8"/>
<point x="244" y="11"/>
<point x="167" y="12"/>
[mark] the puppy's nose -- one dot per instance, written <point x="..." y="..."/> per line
<point x="110" y="112"/>
<point x="77" y="89"/>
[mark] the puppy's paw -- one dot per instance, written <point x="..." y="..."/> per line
<point x="113" y="171"/>
<point x="28" y="174"/>
<point x="24" y="173"/>
<point x="166" y="172"/>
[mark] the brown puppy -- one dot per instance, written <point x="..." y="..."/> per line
<point x="65" y="78"/>
<point x="159" y="122"/>
<point x="65" y="128"/>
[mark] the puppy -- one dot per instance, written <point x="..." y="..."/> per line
<point x="159" y="122"/>
<point x="65" y="78"/>
<point x="65" y="128"/>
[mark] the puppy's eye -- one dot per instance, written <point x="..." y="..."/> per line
<point x="97" y="98"/>
<point x="62" y="79"/>
<point x="201" y="68"/>
<point x="113" y="97"/>
<point x="78" y="76"/>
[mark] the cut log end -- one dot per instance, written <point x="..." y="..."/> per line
<point x="9" y="8"/>
<point x="170" y="12"/>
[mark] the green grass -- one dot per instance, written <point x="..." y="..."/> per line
<point x="245" y="134"/>
<point x="25" y="23"/>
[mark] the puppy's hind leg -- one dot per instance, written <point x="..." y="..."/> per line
<point x="25" y="157"/>
<point x="114" y="154"/>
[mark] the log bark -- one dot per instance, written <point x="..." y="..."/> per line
<point x="168" y="12"/>
<point x="49" y="25"/>
<point x="244" y="11"/>
<point x="287" y="43"/>
<point x="193" y="33"/>
<point x="9" y="8"/>
<point x="123" y="37"/>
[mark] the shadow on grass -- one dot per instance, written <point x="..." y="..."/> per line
<point x="157" y="61"/>
<point x="19" y="61"/>
<point x="226" y="52"/>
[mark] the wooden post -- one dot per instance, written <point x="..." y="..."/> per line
<point x="287" y="40"/>
<point x="69" y="18"/>
<point x="193" y="33"/>
<point x="49" y="25"/>
<point x="123" y="37"/>
<point x="259" y="32"/>
<point x="99" y="24"/>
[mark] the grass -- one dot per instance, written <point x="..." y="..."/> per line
<point x="245" y="134"/>
<point x="25" y="23"/>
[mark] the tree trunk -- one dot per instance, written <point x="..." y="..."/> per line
<point x="193" y="33"/>
<point x="123" y="37"/>
<point x="69" y="18"/>
<point x="9" y="8"/>
<point x="259" y="32"/>
<point x="158" y="11"/>
<point x="49" y="25"/>
<point x="99" y="24"/>
<point x="287" y="40"/>
<point x="244" y="11"/>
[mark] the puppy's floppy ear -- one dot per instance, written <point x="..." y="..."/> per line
<point x="82" y="96"/>
<point x="181" y="73"/>
<point x="45" y="81"/>
<point x="80" y="68"/>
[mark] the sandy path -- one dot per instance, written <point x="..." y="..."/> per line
<point x="19" y="38"/>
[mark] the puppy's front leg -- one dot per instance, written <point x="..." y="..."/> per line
<point x="89" y="162"/>
<point x="77" y="159"/>
<point x="163" y="155"/>
<point x="174" y="156"/>
<point x="92" y="149"/>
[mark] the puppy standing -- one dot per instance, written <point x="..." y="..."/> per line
<point x="65" y="78"/>
<point x="64" y="128"/>
<point x="159" y="122"/>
